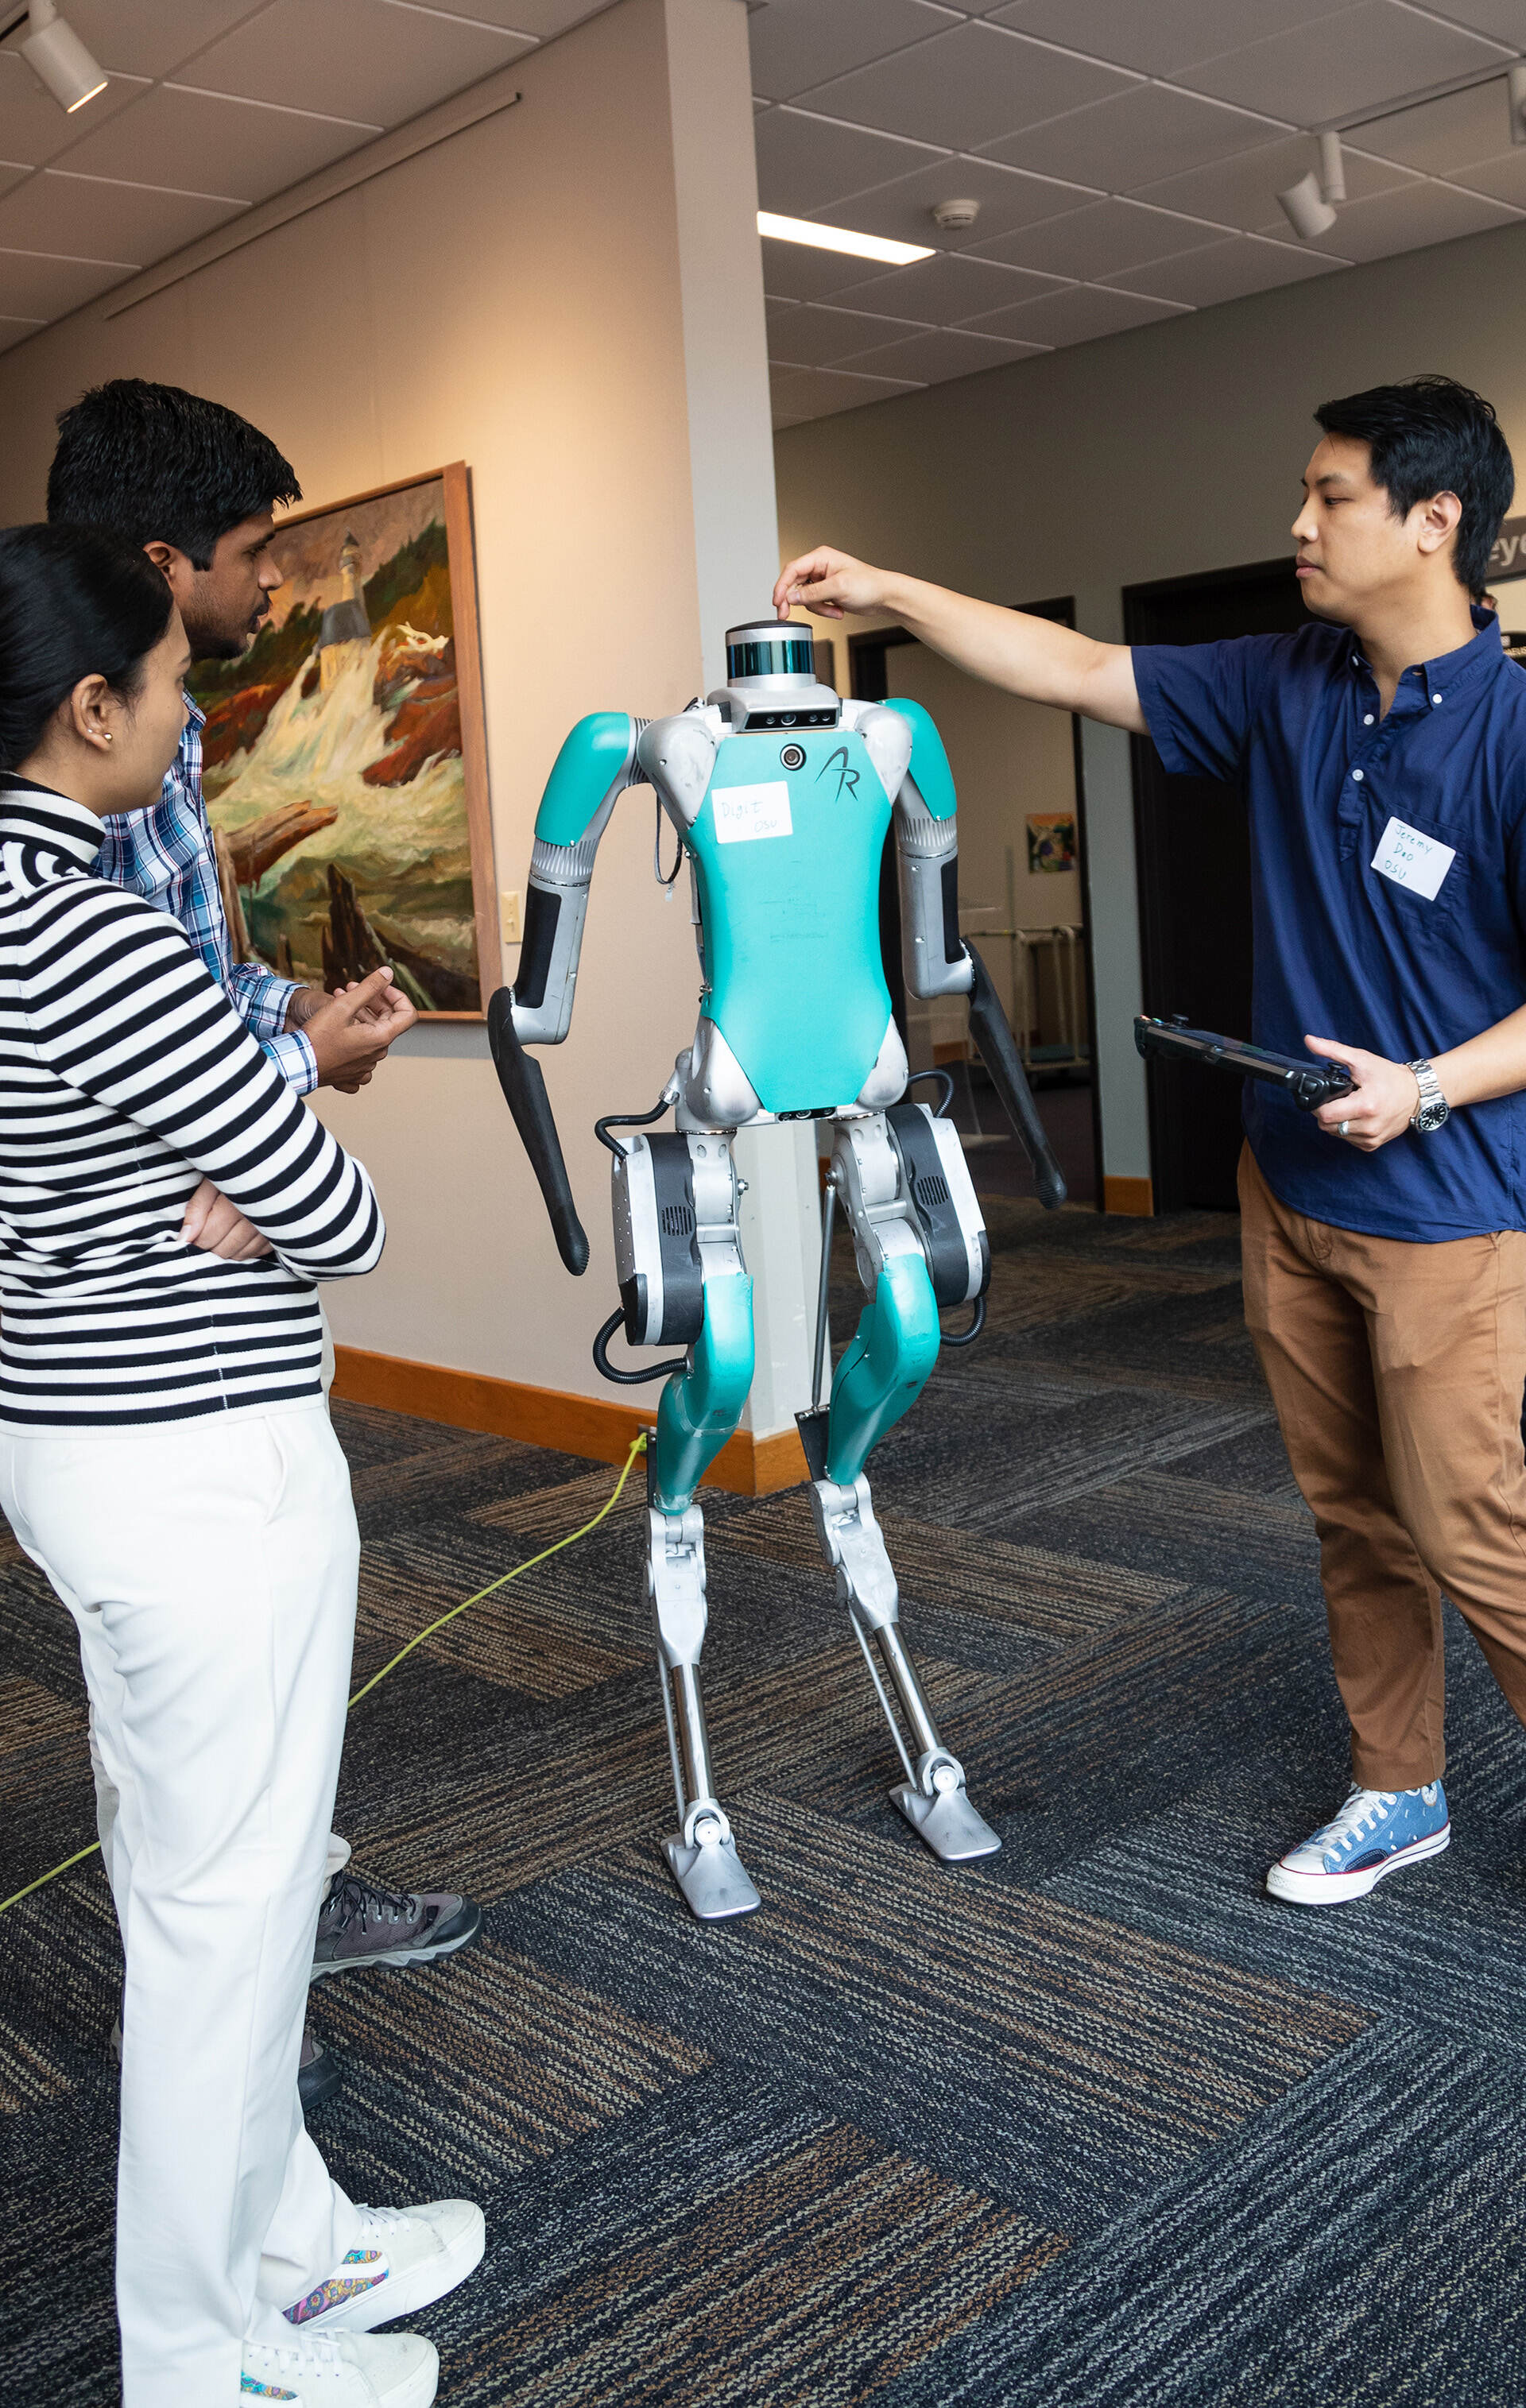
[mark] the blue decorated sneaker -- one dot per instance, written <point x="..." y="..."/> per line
<point x="1375" y="1832"/>
<point x="404" y="2260"/>
<point x="365" y="2370"/>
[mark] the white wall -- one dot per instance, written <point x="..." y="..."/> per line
<point x="543" y="296"/>
<point x="1174" y="449"/>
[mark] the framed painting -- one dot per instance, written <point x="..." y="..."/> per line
<point x="344" y="763"/>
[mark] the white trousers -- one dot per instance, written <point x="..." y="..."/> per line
<point x="211" y="1569"/>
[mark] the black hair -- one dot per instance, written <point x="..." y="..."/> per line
<point x="160" y="465"/>
<point x="75" y="602"/>
<point x="1428" y="436"/>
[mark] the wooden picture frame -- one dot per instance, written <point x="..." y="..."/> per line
<point x="288" y="789"/>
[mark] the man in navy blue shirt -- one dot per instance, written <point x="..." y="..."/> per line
<point x="1381" y="752"/>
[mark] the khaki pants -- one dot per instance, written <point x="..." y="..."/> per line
<point x="1396" y="1372"/>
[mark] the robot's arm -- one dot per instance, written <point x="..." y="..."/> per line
<point x="597" y="762"/>
<point x="928" y="845"/>
<point x="593" y="768"/>
<point x="936" y="957"/>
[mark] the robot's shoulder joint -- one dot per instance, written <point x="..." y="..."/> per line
<point x="677" y="756"/>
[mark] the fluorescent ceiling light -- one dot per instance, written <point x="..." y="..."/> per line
<point x="60" y="58"/>
<point x="830" y="238"/>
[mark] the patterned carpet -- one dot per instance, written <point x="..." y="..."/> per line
<point x="1091" y="2124"/>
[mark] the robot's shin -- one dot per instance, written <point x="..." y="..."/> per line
<point x="701" y="1407"/>
<point x="884" y="1370"/>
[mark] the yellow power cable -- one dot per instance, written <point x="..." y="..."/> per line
<point x="638" y="1446"/>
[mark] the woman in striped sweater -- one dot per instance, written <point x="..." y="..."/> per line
<point x="165" y="1458"/>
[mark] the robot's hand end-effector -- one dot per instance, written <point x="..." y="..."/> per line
<point x="525" y="1092"/>
<point x="999" y="1052"/>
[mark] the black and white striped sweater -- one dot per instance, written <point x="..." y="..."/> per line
<point x="125" y="1077"/>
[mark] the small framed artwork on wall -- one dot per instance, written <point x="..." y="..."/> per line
<point x="344" y="763"/>
<point x="1051" y="840"/>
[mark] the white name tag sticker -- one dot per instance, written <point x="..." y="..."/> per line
<point x="746" y="814"/>
<point x="1413" y="860"/>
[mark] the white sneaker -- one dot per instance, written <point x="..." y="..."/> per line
<point x="404" y="2258"/>
<point x="370" y="2370"/>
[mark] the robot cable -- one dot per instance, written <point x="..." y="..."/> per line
<point x="638" y="1446"/>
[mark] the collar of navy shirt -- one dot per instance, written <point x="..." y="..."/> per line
<point x="1427" y="684"/>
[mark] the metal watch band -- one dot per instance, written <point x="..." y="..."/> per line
<point x="1433" y="1107"/>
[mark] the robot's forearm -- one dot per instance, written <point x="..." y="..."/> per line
<point x="592" y="769"/>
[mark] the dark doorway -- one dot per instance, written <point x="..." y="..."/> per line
<point x="1194" y="848"/>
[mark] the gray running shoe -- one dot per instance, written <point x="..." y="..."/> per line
<point x="360" y="1925"/>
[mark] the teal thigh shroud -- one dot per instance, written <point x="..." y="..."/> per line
<point x="885" y="1369"/>
<point x="701" y="1407"/>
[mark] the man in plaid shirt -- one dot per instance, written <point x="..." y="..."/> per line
<point x="197" y="486"/>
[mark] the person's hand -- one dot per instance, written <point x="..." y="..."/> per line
<point x="1385" y="1100"/>
<point x="218" y="1227"/>
<point x="349" y="1033"/>
<point x="832" y="583"/>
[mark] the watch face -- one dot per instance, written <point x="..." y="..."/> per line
<point x="1430" y="1116"/>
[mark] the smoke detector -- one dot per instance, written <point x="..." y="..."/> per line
<point x="952" y="217"/>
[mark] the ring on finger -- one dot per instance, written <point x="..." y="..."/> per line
<point x="1342" y="1128"/>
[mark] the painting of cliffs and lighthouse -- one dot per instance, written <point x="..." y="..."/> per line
<point x="343" y="759"/>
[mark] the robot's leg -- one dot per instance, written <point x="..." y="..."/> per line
<point x="700" y="1407"/>
<point x="880" y="1377"/>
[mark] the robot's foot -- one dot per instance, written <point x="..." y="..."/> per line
<point x="946" y="1822"/>
<point x="710" y="1874"/>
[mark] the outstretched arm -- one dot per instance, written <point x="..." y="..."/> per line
<point x="1031" y="657"/>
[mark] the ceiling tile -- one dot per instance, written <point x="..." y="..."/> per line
<point x="1505" y="19"/>
<point x="947" y="287"/>
<point x="1441" y="135"/>
<point x="10" y="176"/>
<point x="1224" y="271"/>
<point x="796" y="273"/>
<point x="151" y="40"/>
<point x="34" y="286"/>
<point x="88" y="216"/>
<point x="1410" y="219"/>
<point x="797" y="43"/>
<point x="942" y="353"/>
<point x="1243" y="190"/>
<point x="1162" y="35"/>
<point x="542" y="19"/>
<point x="814" y="336"/>
<point x="364" y="59"/>
<point x="1128" y="142"/>
<point x="820" y="392"/>
<point x="1077" y="315"/>
<point x="16" y="330"/>
<point x="34" y="128"/>
<point x="804" y="164"/>
<point x="219" y="146"/>
<point x="1504" y="178"/>
<point x="1007" y="199"/>
<point x="1370" y="53"/>
<point x="966" y="87"/>
<point x="1095" y="241"/>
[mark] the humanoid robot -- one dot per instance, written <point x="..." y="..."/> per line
<point x="781" y="796"/>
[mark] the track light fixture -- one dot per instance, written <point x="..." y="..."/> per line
<point x="1308" y="205"/>
<point x="60" y="57"/>
<point x="1516" y="82"/>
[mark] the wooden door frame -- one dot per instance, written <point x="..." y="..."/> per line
<point x="868" y="681"/>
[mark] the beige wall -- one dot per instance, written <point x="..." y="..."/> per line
<point x="1174" y="449"/>
<point x="519" y="297"/>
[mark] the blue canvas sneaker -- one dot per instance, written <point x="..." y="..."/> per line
<point x="1375" y="1832"/>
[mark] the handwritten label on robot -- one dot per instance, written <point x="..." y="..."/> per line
<point x="746" y="814"/>
<point x="1413" y="860"/>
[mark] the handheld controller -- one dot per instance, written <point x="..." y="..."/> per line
<point x="1309" y="1083"/>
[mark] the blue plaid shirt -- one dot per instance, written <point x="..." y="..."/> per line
<point x="167" y="856"/>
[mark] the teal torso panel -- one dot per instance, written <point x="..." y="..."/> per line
<point x="788" y="868"/>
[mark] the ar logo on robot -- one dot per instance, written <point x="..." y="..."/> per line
<point x="847" y="777"/>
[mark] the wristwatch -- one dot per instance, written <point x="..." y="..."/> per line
<point x="1434" y="1108"/>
